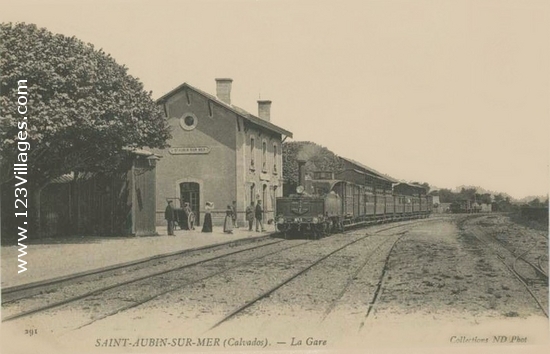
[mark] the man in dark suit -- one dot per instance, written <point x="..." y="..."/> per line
<point x="169" y="216"/>
<point x="259" y="216"/>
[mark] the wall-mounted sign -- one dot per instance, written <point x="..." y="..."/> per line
<point x="189" y="150"/>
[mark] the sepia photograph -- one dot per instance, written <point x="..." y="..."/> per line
<point x="274" y="176"/>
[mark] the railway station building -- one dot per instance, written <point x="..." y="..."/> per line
<point x="218" y="153"/>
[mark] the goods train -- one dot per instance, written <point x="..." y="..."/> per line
<point x="332" y="202"/>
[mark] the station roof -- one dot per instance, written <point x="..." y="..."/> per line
<point x="69" y="177"/>
<point x="369" y="170"/>
<point x="237" y="110"/>
<point x="402" y="186"/>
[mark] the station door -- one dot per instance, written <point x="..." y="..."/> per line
<point x="190" y="193"/>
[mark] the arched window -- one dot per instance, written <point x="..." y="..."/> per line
<point x="275" y="169"/>
<point x="253" y="193"/>
<point x="264" y="156"/>
<point x="252" y="144"/>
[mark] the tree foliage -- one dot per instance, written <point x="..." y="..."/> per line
<point x="84" y="109"/>
<point x="423" y="184"/>
<point x="471" y="194"/>
<point x="318" y="158"/>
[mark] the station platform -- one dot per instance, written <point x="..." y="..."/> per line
<point x="58" y="257"/>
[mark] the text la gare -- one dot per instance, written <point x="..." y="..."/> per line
<point x="310" y="341"/>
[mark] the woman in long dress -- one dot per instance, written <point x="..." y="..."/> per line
<point x="207" y="224"/>
<point x="184" y="222"/>
<point x="228" y="222"/>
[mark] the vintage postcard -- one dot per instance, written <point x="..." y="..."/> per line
<point x="274" y="176"/>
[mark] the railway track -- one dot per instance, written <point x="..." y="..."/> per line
<point x="392" y="240"/>
<point x="541" y="273"/>
<point x="521" y="252"/>
<point x="521" y="255"/>
<point x="19" y="292"/>
<point x="531" y="276"/>
<point x="380" y="283"/>
<point x="542" y="262"/>
<point x="354" y="275"/>
<point x="22" y="295"/>
<point x="203" y="269"/>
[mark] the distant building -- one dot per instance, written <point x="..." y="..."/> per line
<point x="486" y="208"/>
<point x="218" y="153"/>
<point x="445" y="207"/>
<point x="437" y="207"/>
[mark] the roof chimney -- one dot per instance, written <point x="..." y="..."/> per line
<point x="264" y="108"/>
<point x="223" y="90"/>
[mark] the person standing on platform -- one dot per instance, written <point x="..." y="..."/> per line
<point x="207" y="224"/>
<point x="234" y="215"/>
<point x="259" y="216"/>
<point x="250" y="215"/>
<point x="169" y="216"/>
<point x="188" y="217"/>
<point x="228" y="222"/>
<point x="184" y="222"/>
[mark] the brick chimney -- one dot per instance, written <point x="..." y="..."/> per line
<point x="264" y="109"/>
<point x="223" y="89"/>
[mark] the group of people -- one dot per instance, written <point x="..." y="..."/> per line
<point x="253" y="212"/>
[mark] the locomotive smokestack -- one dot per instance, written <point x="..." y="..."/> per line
<point x="301" y="172"/>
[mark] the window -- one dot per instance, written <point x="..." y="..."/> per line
<point x="275" y="158"/>
<point x="188" y="121"/>
<point x="264" y="156"/>
<point x="252" y="143"/>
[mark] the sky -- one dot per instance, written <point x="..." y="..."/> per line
<point x="446" y="92"/>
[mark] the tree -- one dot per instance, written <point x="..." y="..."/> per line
<point x="467" y="194"/>
<point x="484" y="198"/>
<point x="499" y="198"/>
<point x="83" y="108"/>
<point x="447" y="196"/>
<point x="318" y="158"/>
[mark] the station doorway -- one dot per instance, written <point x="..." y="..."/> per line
<point x="190" y="193"/>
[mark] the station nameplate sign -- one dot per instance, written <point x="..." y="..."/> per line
<point x="192" y="150"/>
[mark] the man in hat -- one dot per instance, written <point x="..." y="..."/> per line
<point x="250" y="215"/>
<point x="259" y="216"/>
<point x="169" y="216"/>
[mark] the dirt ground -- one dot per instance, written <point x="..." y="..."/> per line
<point x="442" y="277"/>
<point x="439" y="287"/>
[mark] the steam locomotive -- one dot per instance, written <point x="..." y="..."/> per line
<point x="332" y="202"/>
